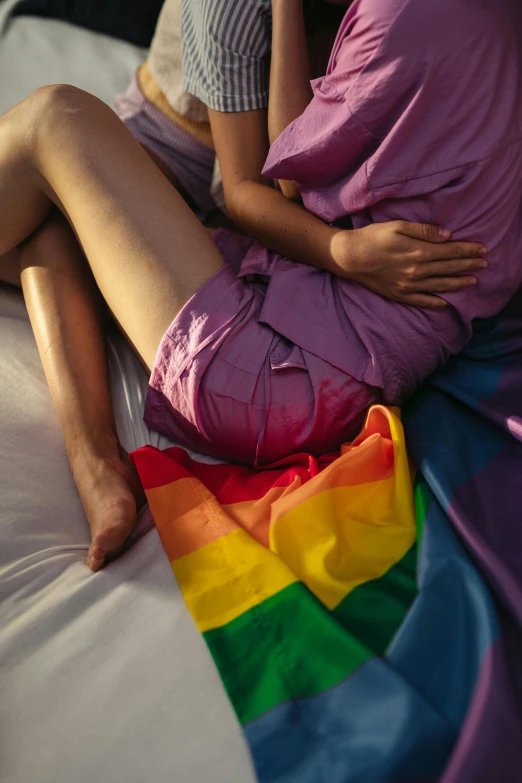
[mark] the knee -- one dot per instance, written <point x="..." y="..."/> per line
<point x="65" y="96"/>
<point x="60" y="101"/>
<point x="48" y="108"/>
<point x="57" y="97"/>
<point x="52" y="99"/>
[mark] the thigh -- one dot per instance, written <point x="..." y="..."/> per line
<point x="148" y="252"/>
<point x="182" y="156"/>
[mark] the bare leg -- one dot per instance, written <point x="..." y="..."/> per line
<point x="147" y="250"/>
<point x="66" y="312"/>
<point x="64" y="307"/>
<point x="148" y="254"/>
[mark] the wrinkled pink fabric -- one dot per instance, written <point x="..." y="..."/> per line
<point x="419" y="117"/>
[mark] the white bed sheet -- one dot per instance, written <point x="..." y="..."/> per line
<point x="102" y="677"/>
<point x="35" y="52"/>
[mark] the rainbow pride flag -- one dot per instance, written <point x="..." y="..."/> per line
<point x="367" y="623"/>
<point x="287" y="571"/>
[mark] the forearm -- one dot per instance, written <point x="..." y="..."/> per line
<point x="284" y="226"/>
<point x="257" y="208"/>
<point x="290" y="91"/>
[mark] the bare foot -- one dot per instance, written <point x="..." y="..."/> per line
<point x="111" y="494"/>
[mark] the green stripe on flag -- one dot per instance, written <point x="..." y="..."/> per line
<point x="286" y="647"/>
<point x="374" y="610"/>
<point x="423" y="498"/>
<point x="291" y="646"/>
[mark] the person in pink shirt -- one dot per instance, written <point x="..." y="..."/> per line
<point x="418" y="117"/>
<point x="261" y="356"/>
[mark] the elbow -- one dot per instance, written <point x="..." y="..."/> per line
<point x="239" y="199"/>
<point x="233" y="203"/>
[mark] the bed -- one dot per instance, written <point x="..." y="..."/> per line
<point x="102" y="677"/>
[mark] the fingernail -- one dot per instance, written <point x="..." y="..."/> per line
<point x="444" y="233"/>
<point x="483" y="251"/>
<point x="472" y="281"/>
<point x="483" y="264"/>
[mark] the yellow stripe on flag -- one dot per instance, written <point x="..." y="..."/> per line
<point x="229" y="576"/>
<point x="342" y="536"/>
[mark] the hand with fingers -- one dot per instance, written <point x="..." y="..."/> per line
<point x="408" y="262"/>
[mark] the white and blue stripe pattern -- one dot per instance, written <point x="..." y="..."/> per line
<point x="225" y="47"/>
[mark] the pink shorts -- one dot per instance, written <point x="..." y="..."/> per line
<point x="226" y="384"/>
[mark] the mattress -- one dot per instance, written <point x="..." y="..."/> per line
<point x="102" y="677"/>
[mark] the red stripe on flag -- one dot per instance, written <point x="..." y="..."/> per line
<point x="228" y="483"/>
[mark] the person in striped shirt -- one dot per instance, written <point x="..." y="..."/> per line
<point x="226" y="51"/>
<point x="199" y="105"/>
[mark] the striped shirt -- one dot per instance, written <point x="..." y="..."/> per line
<point x="225" y="49"/>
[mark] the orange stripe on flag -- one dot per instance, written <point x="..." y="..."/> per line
<point x="187" y="516"/>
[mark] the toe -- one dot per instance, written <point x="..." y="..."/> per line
<point x="111" y="539"/>
<point x="95" y="558"/>
<point x="107" y="544"/>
